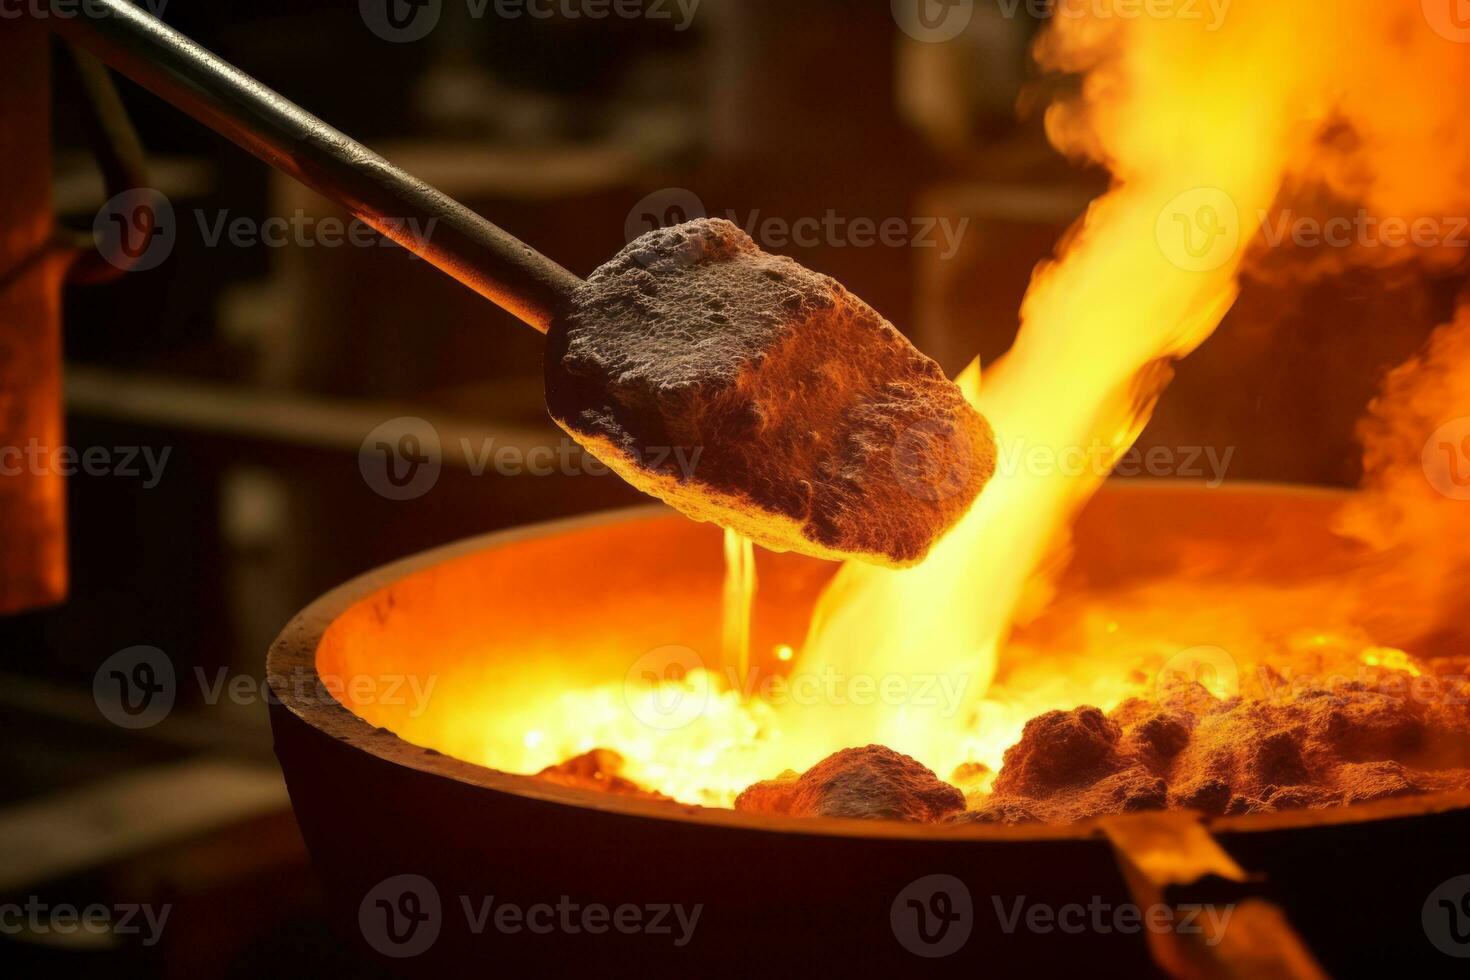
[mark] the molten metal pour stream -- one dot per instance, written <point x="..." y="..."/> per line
<point x="739" y="602"/>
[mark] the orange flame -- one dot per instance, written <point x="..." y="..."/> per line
<point x="1210" y="130"/>
<point x="1179" y="116"/>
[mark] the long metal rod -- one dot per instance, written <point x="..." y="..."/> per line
<point x="494" y="263"/>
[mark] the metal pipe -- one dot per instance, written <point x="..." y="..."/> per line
<point x="33" y="571"/>
<point x="120" y="158"/>
<point x="491" y="261"/>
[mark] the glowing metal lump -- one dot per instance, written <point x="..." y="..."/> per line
<point x="1322" y="728"/>
<point x="750" y="392"/>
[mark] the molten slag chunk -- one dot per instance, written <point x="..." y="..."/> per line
<point x="1305" y="747"/>
<point x="748" y="391"/>
<point x="1058" y="749"/>
<point x="871" y="783"/>
<point x="600" y="769"/>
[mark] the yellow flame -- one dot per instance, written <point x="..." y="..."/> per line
<point x="1146" y="276"/>
<point x="1206" y="126"/>
<point x="1202" y="126"/>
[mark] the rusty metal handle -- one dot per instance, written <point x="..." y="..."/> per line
<point x="1159" y="852"/>
<point x="434" y="226"/>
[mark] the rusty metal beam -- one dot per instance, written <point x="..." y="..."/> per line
<point x="32" y="493"/>
<point x="1161" y="852"/>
